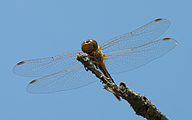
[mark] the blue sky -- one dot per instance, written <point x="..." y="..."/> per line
<point x="36" y="29"/>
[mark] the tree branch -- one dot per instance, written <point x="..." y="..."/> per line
<point x="140" y="104"/>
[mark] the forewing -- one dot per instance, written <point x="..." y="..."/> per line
<point x="47" y="66"/>
<point x="69" y="79"/>
<point x="138" y="37"/>
<point x="126" y="60"/>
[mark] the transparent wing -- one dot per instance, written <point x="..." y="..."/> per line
<point x="65" y="80"/>
<point x="129" y="59"/>
<point x="138" y="37"/>
<point x="47" y="66"/>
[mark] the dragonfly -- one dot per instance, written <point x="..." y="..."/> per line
<point x="122" y="53"/>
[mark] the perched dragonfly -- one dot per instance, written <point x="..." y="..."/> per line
<point x="120" y="54"/>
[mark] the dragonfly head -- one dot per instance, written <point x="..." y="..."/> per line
<point x="89" y="46"/>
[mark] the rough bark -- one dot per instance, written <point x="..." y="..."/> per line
<point x="140" y="104"/>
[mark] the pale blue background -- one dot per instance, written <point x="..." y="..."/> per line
<point x="41" y="28"/>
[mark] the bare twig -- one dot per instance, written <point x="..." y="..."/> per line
<point x="140" y="104"/>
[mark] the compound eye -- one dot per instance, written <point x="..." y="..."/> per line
<point x="94" y="44"/>
<point x="89" y="46"/>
